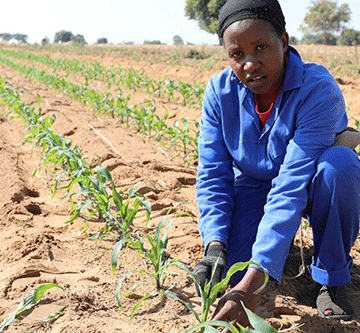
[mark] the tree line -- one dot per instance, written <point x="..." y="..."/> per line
<point x="64" y="36"/>
<point x="325" y="21"/>
<point x="21" y="38"/>
<point x="61" y="36"/>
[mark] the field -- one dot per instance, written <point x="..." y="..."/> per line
<point x="152" y="144"/>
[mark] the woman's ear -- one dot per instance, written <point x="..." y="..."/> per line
<point x="285" y="41"/>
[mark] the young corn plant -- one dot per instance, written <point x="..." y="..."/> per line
<point x="185" y="90"/>
<point x="125" y="214"/>
<point x="181" y="133"/>
<point x="156" y="255"/>
<point x="259" y="325"/>
<point x="98" y="197"/>
<point x="68" y="163"/>
<point x="29" y="302"/>
<point x="357" y="126"/>
<point x="94" y="197"/>
<point x="127" y="77"/>
<point x="101" y="198"/>
<point x="209" y="295"/>
<point x="171" y="88"/>
<point x="134" y="116"/>
<point x="199" y="92"/>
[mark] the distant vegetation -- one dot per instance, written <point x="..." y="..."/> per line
<point x="20" y="38"/>
<point x="324" y="23"/>
<point x="349" y="37"/>
<point x="64" y="36"/>
<point x="45" y="41"/>
<point x="177" y="40"/>
<point x="205" y="12"/>
<point x="79" y="39"/>
<point x="151" y="42"/>
<point x="102" y="41"/>
<point x="324" y="19"/>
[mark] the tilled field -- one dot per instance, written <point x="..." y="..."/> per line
<point x="38" y="247"/>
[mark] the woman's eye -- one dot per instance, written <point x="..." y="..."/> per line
<point x="236" y="54"/>
<point x="262" y="46"/>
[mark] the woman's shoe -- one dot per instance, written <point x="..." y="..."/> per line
<point x="332" y="303"/>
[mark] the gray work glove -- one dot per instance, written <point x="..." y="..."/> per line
<point x="204" y="268"/>
<point x="349" y="137"/>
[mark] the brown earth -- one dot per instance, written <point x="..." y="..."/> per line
<point x="38" y="247"/>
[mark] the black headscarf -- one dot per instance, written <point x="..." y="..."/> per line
<point x="237" y="10"/>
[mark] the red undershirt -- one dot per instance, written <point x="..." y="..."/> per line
<point x="263" y="116"/>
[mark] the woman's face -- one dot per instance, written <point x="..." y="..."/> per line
<point x="256" y="55"/>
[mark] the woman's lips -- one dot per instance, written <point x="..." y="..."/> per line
<point x="255" y="80"/>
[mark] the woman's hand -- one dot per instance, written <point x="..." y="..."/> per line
<point x="215" y="257"/>
<point x="230" y="308"/>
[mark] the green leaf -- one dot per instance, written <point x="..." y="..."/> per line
<point x="115" y="254"/>
<point x="209" y="327"/>
<point x="135" y="285"/>
<point x="28" y="302"/>
<point x="132" y="189"/>
<point x="54" y="316"/>
<point x="224" y="283"/>
<point x="118" y="289"/>
<point x="175" y="297"/>
<point x="138" y="244"/>
<point x="121" y="279"/>
<point x="73" y="217"/>
<point x="165" y="237"/>
<point x="152" y="243"/>
<point x="104" y="172"/>
<point x="117" y="198"/>
<point x="259" y="324"/>
<point x="240" y="266"/>
<point x="182" y="266"/>
<point x="147" y="205"/>
<point x="39" y="99"/>
<point x="137" y="305"/>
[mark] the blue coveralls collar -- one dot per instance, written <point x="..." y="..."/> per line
<point x="294" y="71"/>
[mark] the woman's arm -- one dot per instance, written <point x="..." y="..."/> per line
<point x="215" y="180"/>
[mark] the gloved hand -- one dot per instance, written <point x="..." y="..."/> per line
<point x="204" y="268"/>
<point x="349" y="137"/>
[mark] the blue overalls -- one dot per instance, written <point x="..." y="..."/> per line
<point x="254" y="185"/>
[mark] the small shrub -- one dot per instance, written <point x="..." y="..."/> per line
<point x="152" y="42"/>
<point x="195" y="54"/>
<point x="102" y="41"/>
<point x="349" y="37"/>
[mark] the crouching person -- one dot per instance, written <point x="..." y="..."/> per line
<point x="267" y="158"/>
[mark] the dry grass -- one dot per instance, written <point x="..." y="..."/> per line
<point x="340" y="60"/>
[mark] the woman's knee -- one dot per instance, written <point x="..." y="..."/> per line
<point x="339" y="161"/>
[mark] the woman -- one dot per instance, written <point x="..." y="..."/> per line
<point x="267" y="158"/>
